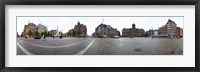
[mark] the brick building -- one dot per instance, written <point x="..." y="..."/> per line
<point x="82" y="28"/>
<point x="180" y="32"/>
<point x="30" y="27"/>
<point x="169" y="29"/>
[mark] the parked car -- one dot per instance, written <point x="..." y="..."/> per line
<point x="37" y="37"/>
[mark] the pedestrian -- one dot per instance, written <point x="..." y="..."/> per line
<point x="44" y="37"/>
<point x="60" y="37"/>
<point x="53" y="36"/>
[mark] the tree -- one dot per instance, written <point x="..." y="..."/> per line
<point x="49" y="34"/>
<point x="42" y="33"/>
<point x="30" y="33"/>
<point x="45" y="33"/>
<point x="37" y="33"/>
<point x="73" y="33"/>
<point x="68" y="33"/>
<point x="78" y="33"/>
<point x="60" y="33"/>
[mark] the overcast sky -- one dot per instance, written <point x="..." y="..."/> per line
<point x="66" y="23"/>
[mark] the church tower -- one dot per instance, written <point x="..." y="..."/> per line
<point x="133" y="26"/>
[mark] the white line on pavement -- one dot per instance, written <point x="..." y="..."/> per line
<point x="57" y="46"/>
<point x="24" y="50"/>
<point x="85" y="49"/>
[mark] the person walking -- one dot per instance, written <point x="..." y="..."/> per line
<point x="44" y="37"/>
<point x="26" y="37"/>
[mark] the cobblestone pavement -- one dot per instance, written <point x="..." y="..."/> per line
<point x="100" y="46"/>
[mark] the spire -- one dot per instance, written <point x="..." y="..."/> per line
<point x="133" y="26"/>
<point x="57" y="27"/>
<point x="102" y="20"/>
<point x="78" y="22"/>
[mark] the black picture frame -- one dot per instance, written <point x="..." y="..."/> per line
<point x="98" y="2"/>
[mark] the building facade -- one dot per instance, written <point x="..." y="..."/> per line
<point x="155" y="32"/>
<point x="169" y="29"/>
<point x="104" y="30"/>
<point x="162" y="30"/>
<point x="81" y="28"/>
<point x="41" y="28"/>
<point x="133" y="32"/>
<point x="70" y="33"/>
<point x="53" y="32"/>
<point x="151" y="32"/>
<point x="30" y="28"/>
<point x="180" y="32"/>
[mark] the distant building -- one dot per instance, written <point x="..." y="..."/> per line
<point x="33" y="29"/>
<point x="70" y="33"/>
<point x="151" y="32"/>
<point x="155" y="32"/>
<point x="53" y="32"/>
<point x="169" y="29"/>
<point x="133" y="32"/>
<point x="163" y="30"/>
<point x="81" y="28"/>
<point x="180" y="32"/>
<point x="104" y="30"/>
<point x="126" y="32"/>
<point x="41" y="28"/>
<point x="30" y="27"/>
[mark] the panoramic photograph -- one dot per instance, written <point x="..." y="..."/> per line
<point x="99" y="35"/>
